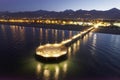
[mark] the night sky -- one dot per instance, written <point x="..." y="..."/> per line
<point x="57" y="5"/>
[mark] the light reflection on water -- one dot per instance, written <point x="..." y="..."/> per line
<point x="95" y="55"/>
<point x="51" y="71"/>
<point x="58" y="70"/>
<point x="20" y="34"/>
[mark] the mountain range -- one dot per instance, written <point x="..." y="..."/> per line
<point x="113" y="13"/>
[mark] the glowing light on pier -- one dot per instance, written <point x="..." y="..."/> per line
<point x="51" y="50"/>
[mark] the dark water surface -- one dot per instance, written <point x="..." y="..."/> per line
<point x="96" y="56"/>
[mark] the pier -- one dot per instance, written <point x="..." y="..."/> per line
<point x="59" y="50"/>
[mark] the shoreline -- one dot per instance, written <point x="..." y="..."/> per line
<point x="105" y="30"/>
<point x="108" y="30"/>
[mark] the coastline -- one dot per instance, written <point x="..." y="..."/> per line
<point x="101" y="29"/>
<point x="108" y="30"/>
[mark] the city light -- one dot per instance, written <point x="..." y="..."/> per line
<point x="46" y="21"/>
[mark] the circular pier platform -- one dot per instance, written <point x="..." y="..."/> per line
<point x="51" y="52"/>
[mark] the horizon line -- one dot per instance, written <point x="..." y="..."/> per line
<point x="60" y="10"/>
